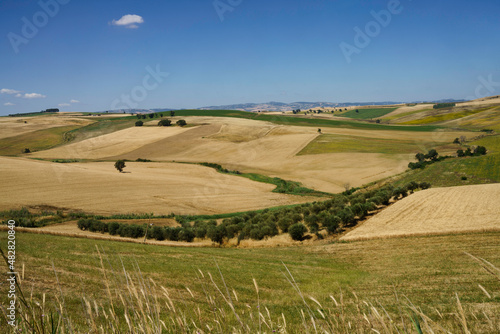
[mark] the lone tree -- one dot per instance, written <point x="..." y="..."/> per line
<point x="26" y="150"/>
<point x="181" y="122"/>
<point x="120" y="164"/>
<point x="172" y="113"/>
<point x="139" y="123"/>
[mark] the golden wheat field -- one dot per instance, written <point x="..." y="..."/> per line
<point x="254" y="147"/>
<point x="160" y="188"/>
<point x="438" y="210"/>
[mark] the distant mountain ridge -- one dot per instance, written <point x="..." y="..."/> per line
<point x="281" y="106"/>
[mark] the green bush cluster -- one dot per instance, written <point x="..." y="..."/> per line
<point x="423" y="160"/>
<point x="443" y="105"/>
<point x="137" y="231"/>
<point x="331" y="216"/>
<point x="219" y="168"/>
<point x="479" y="150"/>
<point x="25" y="218"/>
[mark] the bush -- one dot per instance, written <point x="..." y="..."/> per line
<point x="181" y="122"/>
<point x="332" y="223"/>
<point x="297" y="231"/>
<point x="217" y="233"/>
<point x="187" y="235"/>
<point x="139" y="123"/>
<point x="26" y="150"/>
<point x="165" y="122"/>
<point x="113" y="228"/>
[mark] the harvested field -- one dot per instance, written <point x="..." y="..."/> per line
<point x="258" y="147"/>
<point x="160" y="188"/>
<point x="15" y="126"/>
<point x="436" y="211"/>
<point x="118" y="142"/>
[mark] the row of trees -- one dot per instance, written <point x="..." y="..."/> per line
<point x="331" y="216"/>
<point x="154" y="115"/>
<point x="443" y="105"/>
<point x="423" y="160"/>
<point x="164" y="122"/>
<point x="476" y="151"/>
<point x="137" y="231"/>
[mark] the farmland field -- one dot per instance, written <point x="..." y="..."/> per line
<point x="368" y="113"/>
<point x="437" y="210"/>
<point x="426" y="270"/>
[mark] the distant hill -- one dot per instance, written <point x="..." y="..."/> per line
<point x="281" y="106"/>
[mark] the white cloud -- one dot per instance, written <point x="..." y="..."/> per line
<point x="64" y="104"/>
<point x="33" y="96"/>
<point x="19" y="95"/>
<point x="9" y="104"/>
<point x="8" y="91"/>
<point x="129" y="21"/>
<point x="74" y="101"/>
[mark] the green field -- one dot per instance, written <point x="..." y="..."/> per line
<point x="301" y="121"/>
<point x="426" y="270"/>
<point x="367" y="113"/>
<point x="327" y="143"/>
<point x="448" y="173"/>
<point x="35" y="141"/>
<point x="102" y="126"/>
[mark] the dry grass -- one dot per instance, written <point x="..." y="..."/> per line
<point x="160" y="188"/>
<point x="15" y="126"/>
<point x="438" y="210"/>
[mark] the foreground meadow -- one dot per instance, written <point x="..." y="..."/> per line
<point x="404" y="283"/>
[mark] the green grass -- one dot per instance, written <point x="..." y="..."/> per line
<point x="447" y="173"/>
<point x="367" y="113"/>
<point x="426" y="270"/>
<point x="102" y="126"/>
<point x="300" y="121"/>
<point x="328" y="143"/>
<point x="35" y="141"/>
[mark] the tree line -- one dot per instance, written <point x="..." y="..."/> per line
<point x="332" y="216"/>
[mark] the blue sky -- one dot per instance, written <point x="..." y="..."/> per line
<point x="82" y="59"/>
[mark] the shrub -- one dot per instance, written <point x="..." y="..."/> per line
<point x="424" y="185"/>
<point x="158" y="233"/>
<point x="332" y="223"/>
<point x="165" y="122"/>
<point x="187" y="235"/>
<point x="26" y="150"/>
<point x="139" y="123"/>
<point x="297" y="231"/>
<point x="217" y="233"/>
<point x="464" y="178"/>
<point x="113" y="228"/>
<point x="181" y="122"/>
<point x="346" y="216"/>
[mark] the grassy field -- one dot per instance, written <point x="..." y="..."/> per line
<point x="448" y="173"/>
<point x="327" y="143"/>
<point x="35" y="141"/>
<point x="368" y="113"/>
<point x="428" y="271"/>
<point x="101" y="127"/>
<point x="445" y="117"/>
<point x="300" y="121"/>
